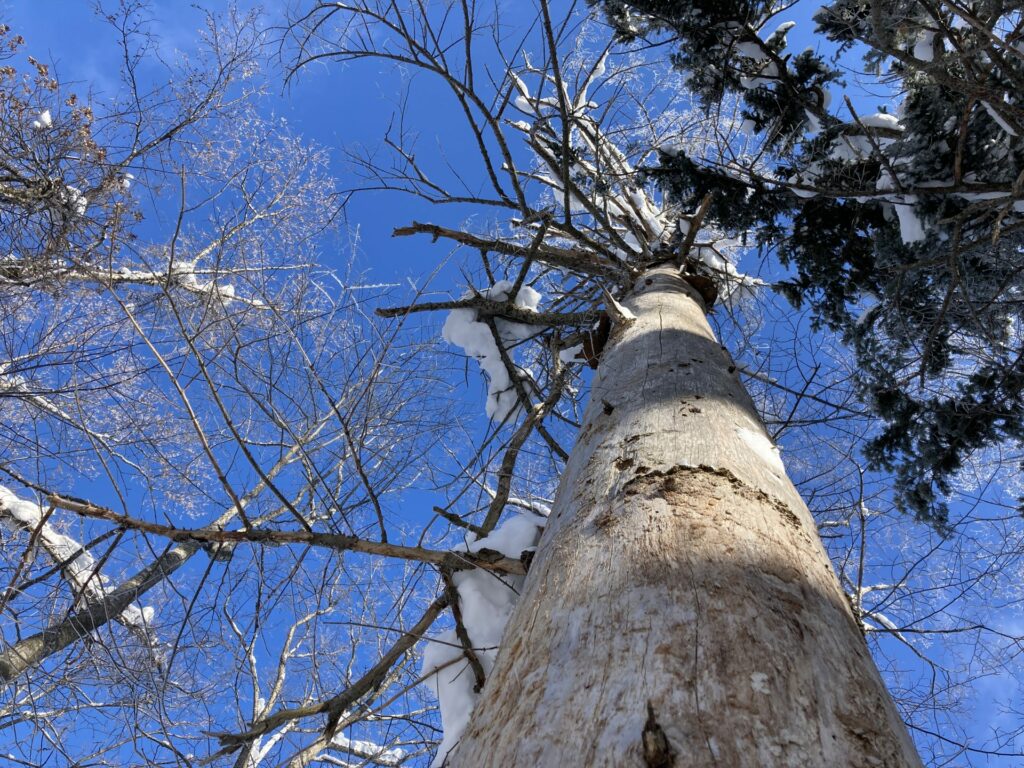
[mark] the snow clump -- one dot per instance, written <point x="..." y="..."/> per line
<point x="78" y="565"/>
<point x="463" y="329"/>
<point x="45" y="120"/>
<point x="486" y="600"/>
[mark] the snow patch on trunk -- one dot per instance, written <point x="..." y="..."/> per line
<point x="766" y="450"/>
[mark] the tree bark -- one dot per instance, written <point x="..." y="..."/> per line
<point x="681" y="610"/>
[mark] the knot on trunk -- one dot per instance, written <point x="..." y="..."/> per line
<point x="658" y="752"/>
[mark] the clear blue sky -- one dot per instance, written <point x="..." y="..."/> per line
<point x="336" y="107"/>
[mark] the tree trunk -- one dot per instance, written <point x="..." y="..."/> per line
<point x="681" y="610"/>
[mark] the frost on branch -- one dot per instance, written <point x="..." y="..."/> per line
<point x="486" y="600"/>
<point x="463" y="329"/>
<point x="601" y="188"/>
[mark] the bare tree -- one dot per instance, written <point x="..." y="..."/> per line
<point x="177" y="381"/>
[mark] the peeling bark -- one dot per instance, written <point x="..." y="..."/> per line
<point x="680" y="609"/>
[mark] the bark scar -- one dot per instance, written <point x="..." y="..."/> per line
<point x="658" y="753"/>
<point x="643" y="477"/>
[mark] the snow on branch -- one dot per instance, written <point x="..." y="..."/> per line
<point x="185" y="276"/>
<point x="79" y="567"/>
<point x="14" y="385"/>
<point x="601" y="193"/>
<point x="463" y="328"/>
<point x="485" y="605"/>
<point x="367" y="751"/>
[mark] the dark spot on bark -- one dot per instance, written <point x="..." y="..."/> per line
<point x="695" y="409"/>
<point x="658" y="753"/>
<point x="705" y="287"/>
<point x="623" y="463"/>
<point x="648" y="281"/>
<point x="862" y="730"/>
<point x="732" y="369"/>
<point x="604" y="520"/>
<point x="594" y="341"/>
<point x="488" y="555"/>
<point x="787" y="513"/>
<point x="608" y="407"/>
<point x="527" y="558"/>
<point x="787" y="573"/>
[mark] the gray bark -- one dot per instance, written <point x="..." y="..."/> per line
<point x="681" y="610"/>
<point x="31" y="651"/>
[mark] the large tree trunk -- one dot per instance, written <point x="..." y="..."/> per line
<point x="681" y="610"/>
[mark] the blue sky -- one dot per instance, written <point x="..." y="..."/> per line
<point x="336" y="107"/>
<point x="329" y="105"/>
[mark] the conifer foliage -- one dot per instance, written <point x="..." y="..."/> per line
<point x="903" y="229"/>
